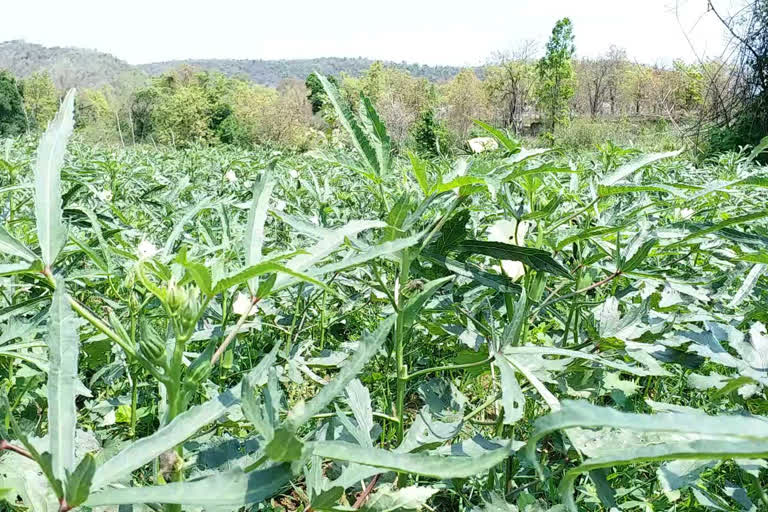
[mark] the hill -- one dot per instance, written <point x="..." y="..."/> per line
<point x="79" y="67"/>
<point x="272" y="72"/>
<point x="69" y="67"/>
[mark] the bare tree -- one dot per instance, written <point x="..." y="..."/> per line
<point x="510" y="79"/>
<point x="600" y="79"/>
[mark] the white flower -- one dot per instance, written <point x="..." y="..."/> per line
<point x="146" y="249"/>
<point x="509" y="232"/>
<point x="315" y="220"/>
<point x="231" y="176"/>
<point x="293" y="173"/>
<point x="243" y="305"/>
<point x="280" y="205"/>
<point x="104" y="195"/>
<point x="685" y="213"/>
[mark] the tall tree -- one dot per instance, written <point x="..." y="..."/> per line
<point x="13" y="121"/>
<point x="41" y="99"/>
<point x="555" y="71"/>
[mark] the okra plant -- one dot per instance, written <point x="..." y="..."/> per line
<point x="355" y="330"/>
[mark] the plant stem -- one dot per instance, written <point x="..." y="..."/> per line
<point x="449" y="367"/>
<point x="134" y="402"/>
<point x="233" y="333"/>
<point x="402" y="369"/>
<point x="5" y="445"/>
<point x="364" y="495"/>
<point x="611" y="277"/>
<point x="402" y="378"/>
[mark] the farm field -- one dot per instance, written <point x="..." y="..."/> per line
<point x="520" y="329"/>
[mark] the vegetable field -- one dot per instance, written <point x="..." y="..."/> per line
<point x="356" y="329"/>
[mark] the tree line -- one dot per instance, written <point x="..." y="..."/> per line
<point x="517" y="90"/>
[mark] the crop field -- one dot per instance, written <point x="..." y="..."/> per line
<point x="522" y="329"/>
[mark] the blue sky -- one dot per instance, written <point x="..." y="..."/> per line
<point x="425" y="31"/>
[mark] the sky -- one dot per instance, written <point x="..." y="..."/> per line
<point x="451" y="32"/>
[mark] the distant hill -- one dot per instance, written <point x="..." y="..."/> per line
<point x="78" y="67"/>
<point x="272" y="72"/>
<point x="69" y="67"/>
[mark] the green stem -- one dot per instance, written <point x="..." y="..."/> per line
<point x="449" y="367"/>
<point x="402" y="369"/>
<point x="402" y="378"/>
<point x="101" y="326"/>
<point x="134" y="402"/>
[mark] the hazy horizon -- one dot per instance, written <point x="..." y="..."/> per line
<point x="658" y="31"/>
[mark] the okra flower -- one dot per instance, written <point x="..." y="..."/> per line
<point x="105" y="195"/>
<point x="146" y="250"/>
<point x="509" y="232"/>
<point x="243" y="304"/>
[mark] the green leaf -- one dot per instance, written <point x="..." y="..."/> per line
<point x="199" y="273"/>
<point x="412" y="308"/>
<point x="435" y="466"/>
<point x="378" y="133"/>
<point x="512" y="398"/>
<point x="534" y="258"/>
<point x="177" y="431"/>
<point x="254" y="231"/>
<point x="453" y="232"/>
<point x="259" y="269"/>
<point x="375" y="251"/>
<point x="369" y="345"/>
<point x="511" y="145"/>
<point x="45" y="460"/>
<point x="284" y="446"/>
<point x="63" y="348"/>
<point x="178" y="228"/>
<point x="396" y="216"/>
<point x="757" y="150"/>
<point x="630" y="167"/>
<point x="466" y="269"/>
<point x="406" y="499"/>
<point x="612" y="190"/>
<point x="582" y="414"/>
<point x="262" y="408"/>
<point x="330" y="242"/>
<point x="348" y="121"/>
<point x="229" y="490"/>
<point x="79" y="482"/>
<point x="13" y="247"/>
<point x="637" y="259"/>
<point x="420" y="172"/>
<point x="51" y="231"/>
<point x="511" y="335"/>
<point x="722" y="225"/>
<point x="691" y="450"/>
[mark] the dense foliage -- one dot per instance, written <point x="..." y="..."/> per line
<point x="248" y="103"/>
<point x="556" y="74"/>
<point x="12" y="118"/>
<point x="522" y="330"/>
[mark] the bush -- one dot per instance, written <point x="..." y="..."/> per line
<point x="12" y="118"/>
<point x="430" y="136"/>
<point x="584" y="133"/>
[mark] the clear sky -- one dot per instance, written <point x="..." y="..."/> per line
<point x="456" y="32"/>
